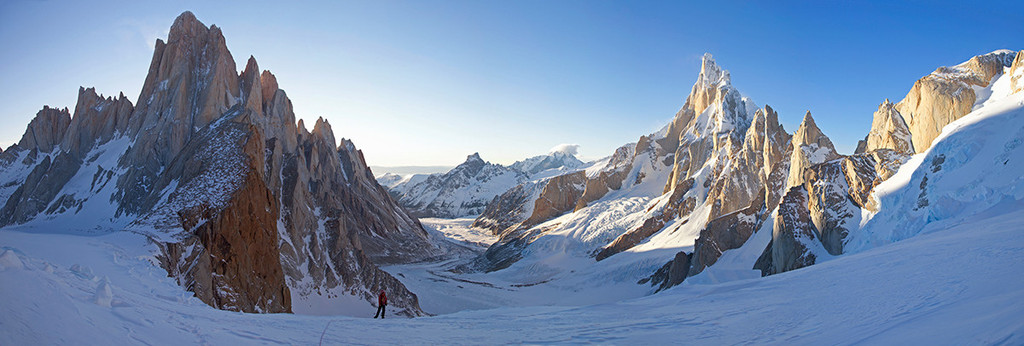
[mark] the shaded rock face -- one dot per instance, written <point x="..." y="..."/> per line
<point x="253" y="212"/>
<point x="191" y="82"/>
<point x="792" y="233"/>
<point x="727" y="232"/>
<point x="947" y="94"/>
<point x="830" y="200"/>
<point x="672" y="273"/>
<point x="46" y="131"/>
<point x="96" y="120"/>
<point x="229" y="256"/>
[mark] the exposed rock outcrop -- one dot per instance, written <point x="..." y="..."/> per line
<point x="191" y="82"/>
<point x="253" y="212"/>
<point x="810" y="147"/>
<point x="758" y="171"/>
<point x="730" y="231"/>
<point x="888" y="131"/>
<point x="46" y="131"/>
<point x="793" y="233"/>
<point x="672" y="273"/>
<point x="97" y="120"/>
<point x="228" y="255"/>
<point x="947" y="94"/>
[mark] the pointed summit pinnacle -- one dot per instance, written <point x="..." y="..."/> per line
<point x="711" y="73"/>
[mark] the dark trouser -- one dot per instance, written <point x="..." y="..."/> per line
<point x="380" y="311"/>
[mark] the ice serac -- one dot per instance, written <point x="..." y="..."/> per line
<point x="948" y="94"/>
<point x="888" y="131"/>
<point x="810" y="147"/>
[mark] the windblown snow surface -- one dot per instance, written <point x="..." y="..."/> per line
<point x="940" y="262"/>
<point x="961" y="285"/>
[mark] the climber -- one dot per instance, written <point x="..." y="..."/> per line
<point x="382" y="301"/>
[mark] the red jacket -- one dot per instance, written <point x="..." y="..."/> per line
<point x="382" y="299"/>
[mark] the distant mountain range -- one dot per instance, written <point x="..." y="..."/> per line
<point x="465" y="190"/>
<point x="407" y="170"/>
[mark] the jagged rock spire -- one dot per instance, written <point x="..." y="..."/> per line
<point x="888" y="131"/>
<point x="810" y="147"/>
<point x="46" y="130"/>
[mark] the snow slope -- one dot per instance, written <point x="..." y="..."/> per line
<point x="890" y="294"/>
<point x="974" y="165"/>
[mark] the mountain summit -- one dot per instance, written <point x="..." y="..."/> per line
<point x="251" y="211"/>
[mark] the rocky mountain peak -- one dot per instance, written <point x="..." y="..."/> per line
<point x="96" y="120"/>
<point x="269" y="83"/>
<point x="186" y="26"/>
<point x="948" y="94"/>
<point x="250" y="81"/>
<point x="475" y="157"/>
<point x="710" y="73"/>
<point x="46" y="130"/>
<point x="809" y="133"/>
<point x="986" y="66"/>
<point x="322" y="129"/>
<point x="888" y="131"/>
<point x="810" y="147"/>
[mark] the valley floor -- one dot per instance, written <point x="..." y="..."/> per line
<point x="959" y="285"/>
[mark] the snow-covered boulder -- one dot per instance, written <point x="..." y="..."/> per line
<point x="10" y="261"/>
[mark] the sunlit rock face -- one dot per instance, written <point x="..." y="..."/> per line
<point x="948" y="94"/>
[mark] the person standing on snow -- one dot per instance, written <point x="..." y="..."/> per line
<point x="382" y="301"/>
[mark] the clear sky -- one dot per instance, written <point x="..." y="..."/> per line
<point x="429" y="82"/>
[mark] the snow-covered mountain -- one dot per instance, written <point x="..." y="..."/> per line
<point x="725" y="179"/>
<point x="251" y="211"/>
<point x="466" y="189"/>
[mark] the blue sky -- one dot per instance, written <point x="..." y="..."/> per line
<point x="429" y="82"/>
